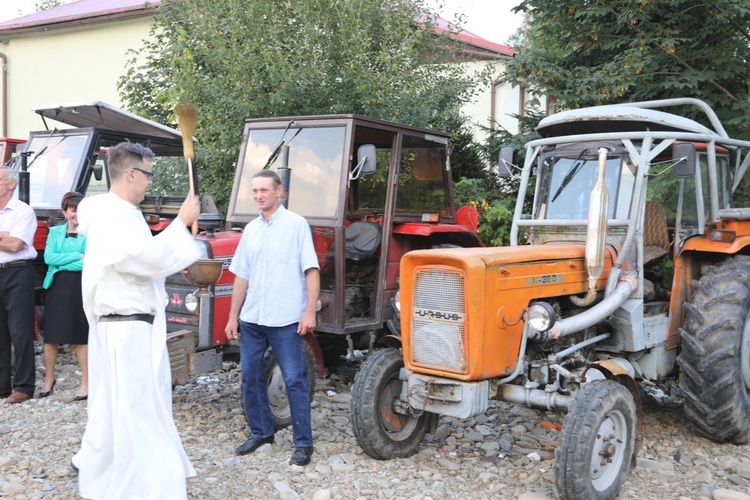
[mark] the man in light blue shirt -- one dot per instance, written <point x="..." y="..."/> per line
<point x="276" y="286"/>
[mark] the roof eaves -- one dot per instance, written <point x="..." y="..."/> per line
<point x="78" y="20"/>
<point x="470" y="39"/>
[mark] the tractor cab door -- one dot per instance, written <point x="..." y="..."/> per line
<point x="368" y="219"/>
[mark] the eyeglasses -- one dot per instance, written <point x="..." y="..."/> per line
<point x="148" y="174"/>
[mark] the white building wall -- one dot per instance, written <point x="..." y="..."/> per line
<point x="506" y="99"/>
<point x="65" y="66"/>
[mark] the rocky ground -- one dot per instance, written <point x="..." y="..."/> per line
<point x="507" y="453"/>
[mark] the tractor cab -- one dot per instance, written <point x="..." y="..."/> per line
<point x="371" y="191"/>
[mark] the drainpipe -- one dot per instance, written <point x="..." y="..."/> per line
<point x="4" y="132"/>
<point x="493" y="90"/>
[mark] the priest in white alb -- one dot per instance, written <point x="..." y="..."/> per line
<point x="130" y="448"/>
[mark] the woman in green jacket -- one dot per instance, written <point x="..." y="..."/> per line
<point x="64" y="320"/>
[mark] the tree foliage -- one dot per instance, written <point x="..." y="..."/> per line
<point x="41" y="5"/>
<point x="592" y="52"/>
<point x="236" y="60"/>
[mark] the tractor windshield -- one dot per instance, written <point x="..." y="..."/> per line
<point x="565" y="184"/>
<point x="53" y="167"/>
<point x="316" y="157"/>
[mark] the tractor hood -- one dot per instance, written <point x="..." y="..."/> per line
<point x="98" y="114"/>
<point x="499" y="256"/>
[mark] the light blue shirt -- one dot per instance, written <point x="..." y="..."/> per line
<point x="273" y="257"/>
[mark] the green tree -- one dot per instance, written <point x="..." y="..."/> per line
<point x="41" y="5"/>
<point x="593" y="52"/>
<point x="237" y="60"/>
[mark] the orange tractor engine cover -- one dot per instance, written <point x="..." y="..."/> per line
<point x="462" y="309"/>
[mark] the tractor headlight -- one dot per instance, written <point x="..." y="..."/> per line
<point x="396" y="302"/>
<point x="541" y="316"/>
<point x="191" y="302"/>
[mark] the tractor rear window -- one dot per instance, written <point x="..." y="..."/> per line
<point x="422" y="187"/>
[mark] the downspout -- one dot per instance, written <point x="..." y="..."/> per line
<point x="493" y="91"/>
<point x="4" y="58"/>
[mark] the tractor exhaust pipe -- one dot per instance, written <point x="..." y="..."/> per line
<point x="596" y="314"/>
<point x="596" y="232"/>
<point x="23" y="178"/>
<point x="535" y="398"/>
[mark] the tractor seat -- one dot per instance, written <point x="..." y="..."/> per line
<point x="363" y="240"/>
<point x="655" y="236"/>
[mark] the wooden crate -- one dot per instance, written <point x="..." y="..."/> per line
<point x="180" y="345"/>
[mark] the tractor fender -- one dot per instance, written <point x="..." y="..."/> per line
<point x="390" y="341"/>
<point x="621" y="371"/>
<point x="312" y="341"/>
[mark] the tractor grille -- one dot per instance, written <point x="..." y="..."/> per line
<point x="438" y="323"/>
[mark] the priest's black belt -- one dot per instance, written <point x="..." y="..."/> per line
<point x="13" y="263"/>
<point x="148" y="318"/>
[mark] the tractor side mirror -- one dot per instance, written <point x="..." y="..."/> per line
<point x="683" y="156"/>
<point x="367" y="158"/>
<point x="366" y="164"/>
<point x="505" y="161"/>
<point x="97" y="170"/>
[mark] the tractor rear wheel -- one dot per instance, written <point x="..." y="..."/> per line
<point x="715" y="357"/>
<point x="281" y="413"/>
<point x="381" y="431"/>
<point x="595" y="447"/>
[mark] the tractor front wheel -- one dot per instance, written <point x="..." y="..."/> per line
<point x="381" y="430"/>
<point x="715" y="357"/>
<point x="595" y="447"/>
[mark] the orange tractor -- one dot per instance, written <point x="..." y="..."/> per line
<point x="631" y="269"/>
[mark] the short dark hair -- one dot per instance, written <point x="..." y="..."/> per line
<point x="70" y="200"/>
<point x="269" y="174"/>
<point x="127" y="155"/>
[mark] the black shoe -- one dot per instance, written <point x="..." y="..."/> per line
<point x="253" y="444"/>
<point x="48" y="393"/>
<point x="81" y="398"/>
<point x="73" y="466"/>
<point x="302" y="455"/>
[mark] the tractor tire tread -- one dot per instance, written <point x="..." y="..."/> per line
<point x="379" y="368"/>
<point x="716" y="399"/>
<point x="572" y="460"/>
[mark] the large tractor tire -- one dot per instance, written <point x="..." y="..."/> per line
<point x="382" y="432"/>
<point x="595" y="447"/>
<point x="715" y="357"/>
<point x="277" y="397"/>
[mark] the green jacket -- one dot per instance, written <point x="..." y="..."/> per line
<point x="62" y="253"/>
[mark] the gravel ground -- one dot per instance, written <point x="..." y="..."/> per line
<point x="507" y="453"/>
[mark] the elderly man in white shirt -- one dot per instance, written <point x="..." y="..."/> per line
<point x="130" y="448"/>
<point x="17" y="228"/>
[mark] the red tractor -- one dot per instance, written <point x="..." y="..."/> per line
<point x="371" y="191"/>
